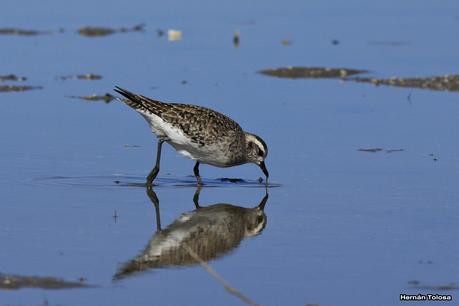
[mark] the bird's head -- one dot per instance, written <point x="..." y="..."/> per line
<point x="257" y="151"/>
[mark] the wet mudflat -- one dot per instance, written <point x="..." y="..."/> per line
<point x="311" y="72"/>
<point x="22" y="32"/>
<point x="15" y="282"/>
<point x="87" y="76"/>
<point x="362" y="204"/>
<point x="17" y="88"/>
<point x="107" y="98"/>
<point x="444" y="83"/>
<point x="91" y="31"/>
<point x="12" y="77"/>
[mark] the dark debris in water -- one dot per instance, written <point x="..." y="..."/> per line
<point x="375" y="150"/>
<point x="311" y="72"/>
<point x="12" y="77"/>
<point x="22" y="32"/>
<point x="107" y="98"/>
<point x="236" y="39"/>
<point x="414" y="284"/>
<point x="371" y="150"/>
<point x="15" y="88"/>
<point x="87" y="76"/>
<point x="104" y="31"/>
<point x="442" y="83"/>
<point x="13" y="282"/>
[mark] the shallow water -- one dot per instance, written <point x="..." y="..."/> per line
<point x="344" y="227"/>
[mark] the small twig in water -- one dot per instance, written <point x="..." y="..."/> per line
<point x="220" y="279"/>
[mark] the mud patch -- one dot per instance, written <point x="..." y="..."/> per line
<point x="12" y="77"/>
<point x="14" y="282"/>
<point x="441" y="83"/>
<point x="87" y="76"/>
<point x="22" y="32"/>
<point x="107" y="98"/>
<point x="311" y="72"/>
<point x="14" y="88"/>
<point x="104" y="31"/>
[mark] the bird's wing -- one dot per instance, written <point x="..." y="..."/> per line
<point x="194" y="120"/>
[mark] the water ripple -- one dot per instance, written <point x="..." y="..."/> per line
<point x="139" y="181"/>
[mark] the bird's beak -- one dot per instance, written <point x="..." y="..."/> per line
<point x="263" y="168"/>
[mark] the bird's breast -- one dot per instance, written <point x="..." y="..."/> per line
<point x="204" y="154"/>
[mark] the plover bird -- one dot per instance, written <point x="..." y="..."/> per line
<point x="199" y="133"/>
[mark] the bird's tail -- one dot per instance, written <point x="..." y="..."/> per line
<point x="131" y="98"/>
<point x="141" y="103"/>
<point x="126" y="93"/>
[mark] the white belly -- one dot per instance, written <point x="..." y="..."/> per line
<point x="201" y="154"/>
<point x="183" y="145"/>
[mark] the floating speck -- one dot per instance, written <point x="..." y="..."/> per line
<point x="174" y="35"/>
<point x="286" y="42"/>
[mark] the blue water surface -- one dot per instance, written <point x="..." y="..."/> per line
<point x="345" y="227"/>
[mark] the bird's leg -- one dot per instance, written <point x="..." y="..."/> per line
<point x="155" y="201"/>
<point x="196" y="197"/>
<point x="155" y="170"/>
<point x="196" y="174"/>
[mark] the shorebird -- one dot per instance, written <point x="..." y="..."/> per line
<point x="199" y="133"/>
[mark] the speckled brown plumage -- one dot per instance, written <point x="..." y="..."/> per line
<point x="195" y="121"/>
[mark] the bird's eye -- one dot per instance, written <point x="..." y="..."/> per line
<point x="259" y="219"/>
<point x="260" y="153"/>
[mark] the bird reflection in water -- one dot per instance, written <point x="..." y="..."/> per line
<point x="201" y="235"/>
